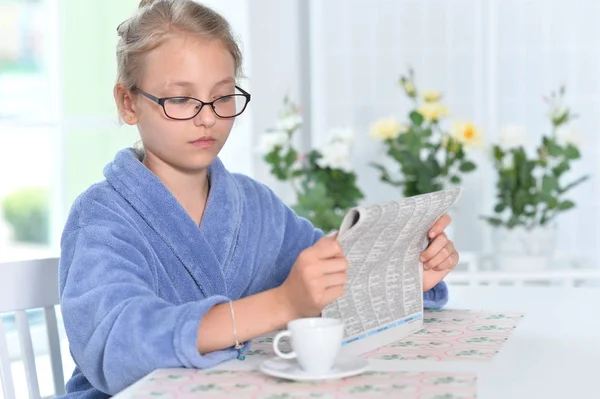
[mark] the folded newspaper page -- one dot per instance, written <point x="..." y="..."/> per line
<point x="383" y="302"/>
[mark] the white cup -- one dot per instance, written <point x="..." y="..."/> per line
<point x="315" y="342"/>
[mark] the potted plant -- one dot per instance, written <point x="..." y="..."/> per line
<point x="323" y="179"/>
<point x="532" y="189"/>
<point x="429" y="155"/>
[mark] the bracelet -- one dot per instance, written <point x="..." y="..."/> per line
<point x="238" y="346"/>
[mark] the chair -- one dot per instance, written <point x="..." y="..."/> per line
<point x="25" y="285"/>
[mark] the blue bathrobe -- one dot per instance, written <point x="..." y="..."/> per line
<point x="137" y="274"/>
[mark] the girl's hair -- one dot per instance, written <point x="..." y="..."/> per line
<point x="153" y="23"/>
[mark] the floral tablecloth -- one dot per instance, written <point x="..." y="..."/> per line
<point x="187" y="384"/>
<point x="448" y="335"/>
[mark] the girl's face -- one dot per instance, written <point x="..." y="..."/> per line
<point x="185" y="65"/>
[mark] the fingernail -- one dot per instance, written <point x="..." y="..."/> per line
<point x="431" y="234"/>
<point x="422" y="258"/>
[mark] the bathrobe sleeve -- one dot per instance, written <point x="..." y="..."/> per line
<point x="436" y="297"/>
<point x="293" y="234"/>
<point x="119" y="330"/>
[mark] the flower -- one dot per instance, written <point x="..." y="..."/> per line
<point x="432" y="96"/>
<point x="559" y="114"/>
<point x="531" y="181"/>
<point x="270" y="141"/>
<point x="408" y="86"/>
<point x="300" y="162"/>
<point x="512" y="137"/>
<point x="451" y="145"/>
<point x="322" y="181"/>
<point x="289" y="122"/>
<point x="433" y="111"/>
<point x="335" y="155"/>
<point x="388" y="128"/>
<point x="342" y="135"/>
<point x="466" y="133"/>
<point x="568" y="135"/>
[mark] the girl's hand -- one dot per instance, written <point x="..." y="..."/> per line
<point x="440" y="256"/>
<point x="316" y="279"/>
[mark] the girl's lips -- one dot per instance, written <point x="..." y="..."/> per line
<point x="203" y="142"/>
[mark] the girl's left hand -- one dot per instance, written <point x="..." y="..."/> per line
<point x="440" y="256"/>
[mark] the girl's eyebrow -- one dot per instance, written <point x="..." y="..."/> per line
<point x="184" y="83"/>
<point x="225" y="81"/>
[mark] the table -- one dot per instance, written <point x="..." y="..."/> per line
<point x="553" y="353"/>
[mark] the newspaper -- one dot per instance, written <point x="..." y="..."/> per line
<point x="383" y="302"/>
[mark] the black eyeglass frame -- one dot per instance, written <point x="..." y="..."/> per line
<point x="161" y="101"/>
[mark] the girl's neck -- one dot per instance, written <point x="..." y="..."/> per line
<point x="190" y="188"/>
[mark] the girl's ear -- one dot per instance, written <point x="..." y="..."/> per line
<point x="125" y="104"/>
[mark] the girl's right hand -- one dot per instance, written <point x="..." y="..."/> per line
<point x="316" y="279"/>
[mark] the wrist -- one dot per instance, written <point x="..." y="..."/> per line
<point x="284" y="305"/>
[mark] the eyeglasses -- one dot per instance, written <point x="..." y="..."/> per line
<point x="184" y="108"/>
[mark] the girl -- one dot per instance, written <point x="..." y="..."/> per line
<point x="172" y="261"/>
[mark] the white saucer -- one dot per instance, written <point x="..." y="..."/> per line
<point x="345" y="366"/>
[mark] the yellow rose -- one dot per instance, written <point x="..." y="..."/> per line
<point x="432" y="96"/>
<point x="433" y="111"/>
<point x="449" y="143"/>
<point x="467" y="134"/>
<point x="388" y="128"/>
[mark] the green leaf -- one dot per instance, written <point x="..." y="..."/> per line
<point x="545" y="197"/>
<point x="521" y="199"/>
<point x="385" y="176"/>
<point x="566" y="205"/>
<point x="549" y="184"/>
<point x="455" y="180"/>
<point x="554" y="149"/>
<point x="499" y="208"/>
<point x="560" y="169"/>
<point x="498" y="153"/>
<point x="564" y="118"/>
<point x="553" y="203"/>
<point x="272" y="157"/>
<point x="572" y="152"/>
<point x="467" y="166"/>
<point x="513" y="222"/>
<point x="416" y="118"/>
<point x="291" y="157"/>
<point x="494" y="221"/>
<point x="425" y="185"/>
<point x="573" y="184"/>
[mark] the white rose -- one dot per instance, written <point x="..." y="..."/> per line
<point x="289" y="123"/>
<point x="336" y="155"/>
<point x="558" y="112"/>
<point x="512" y="137"/>
<point x="269" y="141"/>
<point x="345" y="136"/>
<point x="569" y="135"/>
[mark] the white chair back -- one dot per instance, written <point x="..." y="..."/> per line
<point x="26" y="285"/>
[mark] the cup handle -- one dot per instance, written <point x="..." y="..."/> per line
<point x="278" y="337"/>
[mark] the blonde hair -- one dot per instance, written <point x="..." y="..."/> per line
<point x="154" y="21"/>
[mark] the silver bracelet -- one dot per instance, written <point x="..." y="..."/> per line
<point x="238" y="346"/>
